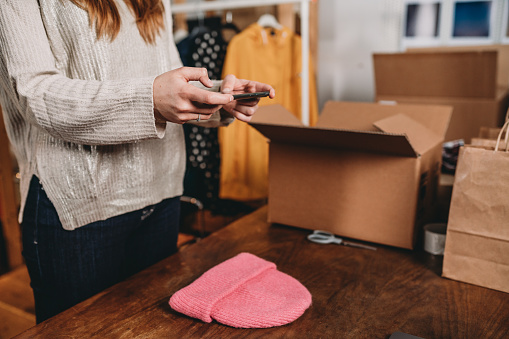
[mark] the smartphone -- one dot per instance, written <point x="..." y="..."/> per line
<point x="246" y="96"/>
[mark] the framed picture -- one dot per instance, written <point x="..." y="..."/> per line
<point x="473" y="22"/>
<point x="421" y="23"/>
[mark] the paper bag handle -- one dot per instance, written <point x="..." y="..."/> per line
<point x="507" y="129"/>
<point x="504" y="128"/>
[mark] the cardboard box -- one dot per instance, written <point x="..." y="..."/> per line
<point x="365" y="171"/>
<point x="468" y="115"/>
<point x="502" y="59"/>
<point x="446" y="74"/>
<point x="467" y="81"/>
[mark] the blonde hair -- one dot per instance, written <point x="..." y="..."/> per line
<point x="149" y="16"/>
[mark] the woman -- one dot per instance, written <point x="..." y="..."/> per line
<point x="94" y="95"/>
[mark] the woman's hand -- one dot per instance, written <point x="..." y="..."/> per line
<point x="243" y="109"/>
<point x="177" y="101"/>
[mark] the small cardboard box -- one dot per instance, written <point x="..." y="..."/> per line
<point x="365" y="171"/>
<point x="468" y="115"/>
<point x="502" y="59"/>
<point x="467" y="80"/>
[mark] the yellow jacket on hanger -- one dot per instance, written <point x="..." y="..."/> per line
<point x="271" y="56"/>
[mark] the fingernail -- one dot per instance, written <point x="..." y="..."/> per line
<point x="231" y="98"/>
<point x="227" y="90"/>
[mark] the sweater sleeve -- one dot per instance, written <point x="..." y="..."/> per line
<point x="80" y="111"/>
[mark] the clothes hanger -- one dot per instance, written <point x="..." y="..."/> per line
<point x="201" y="27"/>
<point x="229" y="23"/>
<point x="270" y="21"/>
<point x="229" y="29"/>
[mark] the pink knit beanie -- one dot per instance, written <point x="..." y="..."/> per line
<point x="244" y="291"/>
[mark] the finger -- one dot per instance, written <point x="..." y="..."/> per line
<point x="246" y="110"/>
<point x="196" y="73"/>
<point x="272" y="93"/>
<point x="199" y="117"/>
<point x="241" y="117"/>
<point x="201" y="108"/>
<point x="228" y="83"/>
<point x="196" y="117"/>
<point x="243" y="113"/>
<point x="248" y="102"/>
<point x="249" y="86"/>
<point x="207" y="97"/>
<point x="260" y="87"/>
<point x="187" y="117"/>
<point x="255" y="86"/>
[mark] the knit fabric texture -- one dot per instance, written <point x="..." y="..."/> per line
<point x="245" y="292"/>
<point x="79" y="110"/>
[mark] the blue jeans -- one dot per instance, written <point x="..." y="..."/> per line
<point x="67" y="267"/>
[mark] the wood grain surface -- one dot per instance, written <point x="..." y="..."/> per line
<point x="356" y="293"/>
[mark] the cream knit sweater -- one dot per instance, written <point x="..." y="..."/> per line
<point x="79" y="111"/>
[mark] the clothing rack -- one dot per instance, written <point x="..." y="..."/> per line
<point x="304" y="29"/>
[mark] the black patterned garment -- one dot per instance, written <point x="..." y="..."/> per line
<point x="209" y="50"/>
<point x="204" y="47"/>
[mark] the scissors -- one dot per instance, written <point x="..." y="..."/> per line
<point x="324" y="237"/>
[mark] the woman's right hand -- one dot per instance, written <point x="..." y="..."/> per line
<point x="178" y="101"/>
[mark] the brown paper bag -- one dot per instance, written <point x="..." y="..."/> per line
<point x="477" y="241"/>
<point x="488" y="137"/>
<point x="490" y="132"/>
<point x="488" y="143"/>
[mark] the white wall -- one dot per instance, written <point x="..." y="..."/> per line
<point x="350" y="31"/>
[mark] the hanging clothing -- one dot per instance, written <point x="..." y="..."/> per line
<point x="271" y="56"/>
<point x="203" y="47"/>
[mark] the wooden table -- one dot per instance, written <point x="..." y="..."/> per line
<point x="356" y="293"/>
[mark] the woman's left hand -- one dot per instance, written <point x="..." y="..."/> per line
<point x="243" y="109"/>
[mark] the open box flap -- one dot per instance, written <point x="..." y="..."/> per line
<point x="362" y="116"/>
<point x="275" y="114"/>
<point x="269" y="123"/>
<point x="421" y="138"/>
